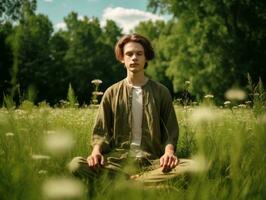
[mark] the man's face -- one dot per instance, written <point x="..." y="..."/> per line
<point x="134" y="57"/>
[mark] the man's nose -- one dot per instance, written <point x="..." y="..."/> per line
<point x="134" y="57"/>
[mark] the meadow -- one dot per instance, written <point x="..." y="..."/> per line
<point x="37" y="142"/>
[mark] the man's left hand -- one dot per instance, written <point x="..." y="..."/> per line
<point x="168" y="161"/>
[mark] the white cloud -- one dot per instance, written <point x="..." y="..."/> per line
<point x="80" y="17"/>
<point x="63" y="26"/>
<point x="60" y="25"/>
<point x="127" y="18"/>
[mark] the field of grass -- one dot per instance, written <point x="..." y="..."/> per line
<point x="36" y="143"/>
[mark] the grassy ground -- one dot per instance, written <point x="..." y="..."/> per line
<point x="36" y="143"/>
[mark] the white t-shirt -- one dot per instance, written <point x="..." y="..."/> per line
<point x="137" y="111"/>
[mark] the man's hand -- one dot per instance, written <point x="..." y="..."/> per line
<point x="168" y="161"/>
<point x="96" y="158"/>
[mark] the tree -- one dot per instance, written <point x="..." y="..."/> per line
<point x="39" y="64"/>
<point x="219" y="42"/>
<point x="57" y="73"/>
<point x="31" y="56"/>
<point x="5" y="59"/>
<point x="109" y="64"/>
<point x="10" y="11"/>
<point x="163" y="40"/>
<point x="13" y="10"/>
<point x="81" y="36"/>
<point x="90" y="54"/>
<point x="111" y="32"/>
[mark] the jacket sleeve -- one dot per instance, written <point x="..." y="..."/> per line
<point x="102" y="130"/>
<point x="168" y="119"/>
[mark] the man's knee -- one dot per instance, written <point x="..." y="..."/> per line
<point x="76" y="165"/>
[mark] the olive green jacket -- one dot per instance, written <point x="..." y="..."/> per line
<point x="112" y="129"/>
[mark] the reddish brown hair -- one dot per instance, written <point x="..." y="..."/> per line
<point x="119" y="47"/>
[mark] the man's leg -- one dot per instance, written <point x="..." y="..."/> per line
<point x="79" y="167"/>
<point x="157" y="175"/>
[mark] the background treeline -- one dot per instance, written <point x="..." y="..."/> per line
<point x="212" y="44"/>
<point x="39" y="64"/>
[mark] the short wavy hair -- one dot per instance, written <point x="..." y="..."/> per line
<point x="148" y="50"/>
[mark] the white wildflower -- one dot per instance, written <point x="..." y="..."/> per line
<point x="95" y="101"/>
<point x="62" y="188"/>
<point x="235" y="94"/>
<point x="187" y="107"/>
<point x="42" y="172"/>
<point x="242" y="106"/>
<point x="226" y="103"/>
<point x="179" y="99"/>
<point x="96" y="81"/>
<point x="58" y="143"/>
<point x="187" y="83"/>
<point x="248" y="102"/>
<point x="20" y="112"/>
<point x="194" y="103"/>
<point x="9" y="134"/>
<point x="40" y="157"/>
<point x="97" y="93"/>
<point x="208" y="96"/>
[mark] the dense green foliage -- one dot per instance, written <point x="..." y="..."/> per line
<point x="38" y="64"/>
<point x="16" y="9"/>
<point x="212" y="44"/>
<point x="228" y="144"/>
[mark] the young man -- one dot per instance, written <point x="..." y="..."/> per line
<point x="136" y="129"/>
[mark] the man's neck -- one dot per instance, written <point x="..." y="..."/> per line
<point x="138" y="79"/>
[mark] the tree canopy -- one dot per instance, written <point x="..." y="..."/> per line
<point x="216" y="43"/>
<point x="13" y="10"/>
<point x="37" y="60"/>
<point x="212" y="44"/>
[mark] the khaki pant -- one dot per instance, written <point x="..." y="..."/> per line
<point x="132" y="169"/>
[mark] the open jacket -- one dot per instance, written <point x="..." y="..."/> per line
<point x="112" y="129"/>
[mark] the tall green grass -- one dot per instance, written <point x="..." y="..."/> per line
<point x="229" y="143"/>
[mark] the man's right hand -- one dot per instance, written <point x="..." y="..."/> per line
<point x="96" y="158"/>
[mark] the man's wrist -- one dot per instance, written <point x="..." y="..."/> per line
<point x="169" y="149"/>
<point x="96" y="149"/>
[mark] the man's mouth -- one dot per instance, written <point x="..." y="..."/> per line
<point x="134" y="64"/>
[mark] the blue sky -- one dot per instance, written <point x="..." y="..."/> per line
<point x="126" y="13"/>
